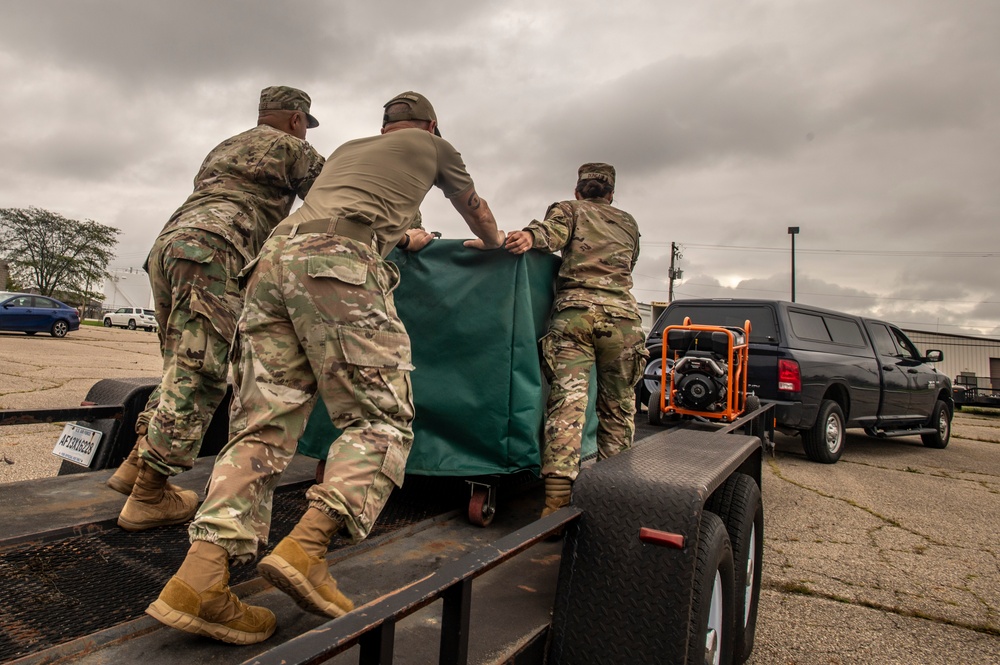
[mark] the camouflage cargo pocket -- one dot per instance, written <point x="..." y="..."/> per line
<point x="347" y="269"/>
<point x="394" y="464"/>
<point x="220" y="313"/>
<point x="640" y="358"/>
<point x="190" y="249"/>
<point x="375" y="348"/>
<point x="185" y="428"/>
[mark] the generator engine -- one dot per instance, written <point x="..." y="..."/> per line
<point x="709" y="370"/>
<point x="700" y="382"/>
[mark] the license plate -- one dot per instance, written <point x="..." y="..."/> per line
<point x="77" y="444"/>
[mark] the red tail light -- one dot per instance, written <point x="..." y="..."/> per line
<point x="789" y="377"/>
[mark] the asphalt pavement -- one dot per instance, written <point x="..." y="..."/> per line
<point x="892" y="555"/>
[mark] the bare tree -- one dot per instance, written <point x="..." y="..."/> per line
<point x="56" y="253"/>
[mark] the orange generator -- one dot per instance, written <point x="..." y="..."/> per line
<point x="707" y="369"/>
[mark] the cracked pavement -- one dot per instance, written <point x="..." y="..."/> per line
<point x="892" y="555"/>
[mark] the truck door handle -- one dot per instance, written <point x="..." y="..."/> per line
<point x="888" y="368"/>
<point x="912" y="370"/>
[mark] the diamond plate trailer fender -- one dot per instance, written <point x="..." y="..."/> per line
<point x="118" y="433"/>
<point x="623" y="600"/>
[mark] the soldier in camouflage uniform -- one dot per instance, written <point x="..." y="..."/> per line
<point x="320" y="320"/>
<point x="245" y="186"/>
<point x="595" y="319"/>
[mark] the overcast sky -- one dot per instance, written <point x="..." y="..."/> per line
<point x="873" y="126"/>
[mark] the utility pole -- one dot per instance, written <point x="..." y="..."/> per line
<point x="674" y="272"/>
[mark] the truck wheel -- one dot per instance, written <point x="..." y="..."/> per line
<point x="941" y="421"/>
<point x="709" y="641"/>
<point x="653" y="412"/>
<point x="131" y="324"/>
<point x="738" y="503"/>
<point x="824" y="441"/>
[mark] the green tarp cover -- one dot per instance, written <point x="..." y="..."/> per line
<point x="474" y="320"/>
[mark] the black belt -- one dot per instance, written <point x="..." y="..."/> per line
<point x="344" y="227"/>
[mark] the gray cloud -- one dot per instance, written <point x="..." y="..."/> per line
<point x="872" y="126"/>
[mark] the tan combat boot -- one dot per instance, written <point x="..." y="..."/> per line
<point x="123" y="478"/>
<point x="198" y="600"/>
<point x="153" y="504"/>
<point x="558" y="491"/>
<point x="298" y="566"/>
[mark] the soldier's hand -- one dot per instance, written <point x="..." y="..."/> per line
<point x="477" y="243"/>
<point x="520" y="242"/>
<point x="418" y="240"/>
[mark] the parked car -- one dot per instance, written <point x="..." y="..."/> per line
<point x="131" y="318"/>
<point x="825" y="371"/>
<point x="30" y="314"/>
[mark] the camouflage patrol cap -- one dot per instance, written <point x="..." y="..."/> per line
<point x="283" y="98"/>
<point x="597" y="171"/>
<point x="419" y="109"/>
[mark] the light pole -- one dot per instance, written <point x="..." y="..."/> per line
<point x="792" y="231"/>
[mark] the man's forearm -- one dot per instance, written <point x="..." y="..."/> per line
<point x="483" y="224"/>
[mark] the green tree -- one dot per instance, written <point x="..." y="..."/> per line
<point x="56" y="253"/>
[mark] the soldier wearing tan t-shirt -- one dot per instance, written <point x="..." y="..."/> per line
<point x="320" y="320"/>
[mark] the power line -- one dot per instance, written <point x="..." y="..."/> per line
<point x="854" y="252"/>
<point x="988" y="322"/>
<point x="837" y="295"/>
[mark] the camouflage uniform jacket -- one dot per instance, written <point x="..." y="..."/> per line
<point x="600" y="245"/>
<point x="246" y="185"/>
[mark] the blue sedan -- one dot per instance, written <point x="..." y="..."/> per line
<point x="23" y="312"/>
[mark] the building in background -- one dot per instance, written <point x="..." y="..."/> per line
<point x="965" y="356"/>
<point x="127" y="288"/>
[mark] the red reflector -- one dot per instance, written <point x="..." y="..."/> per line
<point x="664" y="538"/>
<point x="86" y="403"/>
<point x="789" y="377"/>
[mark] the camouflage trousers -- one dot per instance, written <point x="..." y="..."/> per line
<point x="320" y="320"/>
<point x="193" y="274"/>
<point x="576" y="339"/>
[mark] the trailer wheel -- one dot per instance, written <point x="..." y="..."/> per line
<point x="757" y="427"/>
<point x="482" y="506"/>
<point x="653" y="412"/>
<point x="941" y="421"/>
<point x="709" y="641"/>
<point x="738" y="503"/>
<point x="824" y="441"/>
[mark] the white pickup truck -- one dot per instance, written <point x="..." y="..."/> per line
<point x="131" y="318"/>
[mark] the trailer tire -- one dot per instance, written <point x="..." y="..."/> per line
<point x="940" y="420"/>
<point x="757" y="427"/>
<point x="712" y="609"/>
<point x="653" y="413"/>
<point x="824" y="441"/>
<point x="738" y="503"/>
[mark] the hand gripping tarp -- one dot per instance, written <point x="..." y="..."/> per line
<point x="474" y="320"/>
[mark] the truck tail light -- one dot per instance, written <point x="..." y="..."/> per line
<point x="789" y="377"/>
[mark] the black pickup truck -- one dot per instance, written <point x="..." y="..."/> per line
<point x="825" y="371"/>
